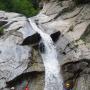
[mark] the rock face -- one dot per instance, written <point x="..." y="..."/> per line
<point x="22" y="64"/>
<point x="16" y="59"/>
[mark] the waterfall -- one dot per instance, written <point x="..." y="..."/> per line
<point x="53" y="79"/>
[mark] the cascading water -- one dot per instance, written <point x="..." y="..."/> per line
<point x="53" y="79"/>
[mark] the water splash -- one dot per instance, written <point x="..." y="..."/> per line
<point x="53" y="79"/>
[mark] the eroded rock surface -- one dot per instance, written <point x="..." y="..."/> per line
<point x="73" y="45"/>
<point x="15" y="59"/>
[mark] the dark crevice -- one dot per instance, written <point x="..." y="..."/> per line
<point x="55" y="36"/>
<point x="32" y="40"/>
<point x="81" y="1"/>
<point x="76" y="62"/>
<point x="22" y="77"/>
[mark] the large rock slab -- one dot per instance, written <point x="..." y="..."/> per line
<point x="15" y="59"/>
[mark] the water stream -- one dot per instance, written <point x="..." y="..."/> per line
<point x="53" y="78"/>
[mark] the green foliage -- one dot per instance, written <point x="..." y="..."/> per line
<point x="20" y="6"/>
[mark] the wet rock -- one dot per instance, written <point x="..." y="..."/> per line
<point x="42" y="48"/>
<point x="36" y="63"/>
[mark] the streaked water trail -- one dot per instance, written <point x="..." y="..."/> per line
<point x="53" y="78"/>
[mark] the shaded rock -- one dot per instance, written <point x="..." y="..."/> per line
<point x="67" y="76"/>
<point x="75" y="66"/>
<point x="3" y="23"/>
<point x="55" y="36"/>
<point x="36" y="47"/>
<point x="81" y="2"/>
<point x="32" y="40"/>
<point x="21" y="81"/>
<point x="42" y="48"/>
<point x="74" y="71"/>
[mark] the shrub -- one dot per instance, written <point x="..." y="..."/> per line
<point x="25" y="7"/>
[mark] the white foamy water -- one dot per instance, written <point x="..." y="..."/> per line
<point x="53" y="79"/>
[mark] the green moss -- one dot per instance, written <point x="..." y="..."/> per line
<point x="1" y="30"/>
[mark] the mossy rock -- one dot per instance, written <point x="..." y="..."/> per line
<point x="1" y="31"/>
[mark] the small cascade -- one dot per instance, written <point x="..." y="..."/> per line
<point x="53" y="78"/>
